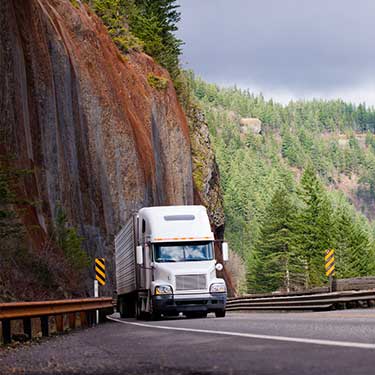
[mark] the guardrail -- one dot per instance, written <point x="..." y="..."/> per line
<point x="320" y="301"/>
<point x="356" y="283"/>
<point x="58" y="309"/>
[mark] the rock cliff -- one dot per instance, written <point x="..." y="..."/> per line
<point x="206" y="179"/>
<point x="83" y="119"/>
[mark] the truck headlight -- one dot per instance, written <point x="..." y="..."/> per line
<point x="218" y="288"/>
<point x="163" y="289"/>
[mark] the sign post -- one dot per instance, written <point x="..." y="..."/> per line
<point x="329" y="259"/>
<point x="99" y="279"/>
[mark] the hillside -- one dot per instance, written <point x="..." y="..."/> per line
<point x="280" y="164"/>
<point x="89" y="132"/>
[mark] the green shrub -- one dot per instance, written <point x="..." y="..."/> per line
<point x="75" y="3"/>
<point x="114" y="15"/>
<point x="70" y="242"/>
<point x="157" y="82"/>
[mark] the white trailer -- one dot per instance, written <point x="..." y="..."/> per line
<point x="165" y="264"/>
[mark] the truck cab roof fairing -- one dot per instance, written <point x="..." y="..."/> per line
<point x="176" y="223"/>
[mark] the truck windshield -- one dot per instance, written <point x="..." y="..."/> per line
<point x="183" y="252"/>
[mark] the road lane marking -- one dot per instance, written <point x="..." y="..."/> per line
<point x="301" y="316"/>
<point x="346" y="344"/>
<point x="341" y="316"/>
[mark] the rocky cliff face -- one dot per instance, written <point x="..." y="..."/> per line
<point x="97" y="138"/>
<point x="205" y="170"/>
<point x="206" y="179"/>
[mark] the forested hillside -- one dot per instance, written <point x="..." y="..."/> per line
<point x="301" y="184"/>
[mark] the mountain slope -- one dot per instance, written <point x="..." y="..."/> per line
<point x="297" y="179"/>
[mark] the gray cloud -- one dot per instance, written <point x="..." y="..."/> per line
<point x="302" y="47"/>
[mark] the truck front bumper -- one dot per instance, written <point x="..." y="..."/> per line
<point x="174" y="304"/>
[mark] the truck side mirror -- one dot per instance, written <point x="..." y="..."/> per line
<point x="224" y="248"/>
<point x="139" y="255"/>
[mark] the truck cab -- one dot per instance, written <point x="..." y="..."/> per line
<point x="175" y="264"/>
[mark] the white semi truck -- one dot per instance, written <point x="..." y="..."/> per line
<point x="165" y="264"/>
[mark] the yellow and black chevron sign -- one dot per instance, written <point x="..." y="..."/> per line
<point x="329" y="258"/>
<point x="100" y="270"/>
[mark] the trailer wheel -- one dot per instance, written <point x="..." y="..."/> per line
<point x="126" y="307"/>
<point x="220" y="314"/>
<point x="121" y="308"/>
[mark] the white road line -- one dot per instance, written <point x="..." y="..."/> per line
<point x="346" y="344"/>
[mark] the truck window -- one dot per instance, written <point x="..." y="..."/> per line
<point x="183" y="252"/>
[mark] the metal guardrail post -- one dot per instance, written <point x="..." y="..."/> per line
<point x="44" y="326"/>
<point x="27" y="327"/>
<point x="334" y="284"/>
<point x="6" y="331"/>
<point x="83" y="319"/>
<point x="91" y="317"/>
<point x="72" y="320"/>
<point x="59" y="319"/>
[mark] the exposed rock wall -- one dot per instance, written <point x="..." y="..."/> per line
<point x="83" y="118"/>
<point x="205" y="169"/>
<point x="207" y="182"/>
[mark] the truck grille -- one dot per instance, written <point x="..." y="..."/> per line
<point x="190" y="282"/>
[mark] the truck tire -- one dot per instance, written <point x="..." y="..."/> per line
<point x="121" y="309"/>
<point x="155" y="316"/>
<point x="220" y="314"/>
<point x="126" y="307"/>
<point x="139" y="314"/>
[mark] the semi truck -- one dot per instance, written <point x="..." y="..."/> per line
<point x="166" y="266"/>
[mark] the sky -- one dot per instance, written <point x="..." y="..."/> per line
<point x="286" y="49"/>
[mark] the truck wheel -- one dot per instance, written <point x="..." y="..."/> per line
<point x="155" y="316"/>
<point x="139" y="314"/>
<point x="220" y="314"/>
<point x="121" y="309"/>
<point x="127" y="307"/>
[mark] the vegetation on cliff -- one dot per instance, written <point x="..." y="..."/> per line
<point x="147" y="25"/>
<point x="25" y="273"/>
<point x="283" y="188"/>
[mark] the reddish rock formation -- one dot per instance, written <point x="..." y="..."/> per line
<point x="84" y="119"/>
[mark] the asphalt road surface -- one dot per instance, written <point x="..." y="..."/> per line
<point x="255" y="343"/>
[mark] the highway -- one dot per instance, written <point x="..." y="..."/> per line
<point x="336" y="342"/>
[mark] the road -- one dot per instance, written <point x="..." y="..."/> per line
<point x="337" y="342"/>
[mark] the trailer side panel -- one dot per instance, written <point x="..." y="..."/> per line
<point x="125" y="259"/>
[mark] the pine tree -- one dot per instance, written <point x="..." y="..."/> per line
<point x="354" y="257"/>
<point x="152" y="24"/>
<point x="155" y="24"/>
<point x="314" y="226"/>
<point x="277" y="266"/>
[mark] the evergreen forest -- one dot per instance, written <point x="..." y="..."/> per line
<point x="302" y="184"/>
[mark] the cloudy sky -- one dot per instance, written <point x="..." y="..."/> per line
<point x="286" y="49"/>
